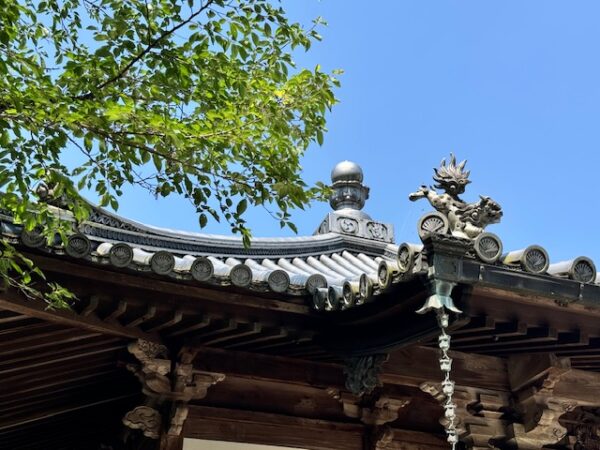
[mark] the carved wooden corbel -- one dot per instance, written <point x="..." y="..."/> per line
<point x="169" y="386"/>
<point x="533" y="379"/>
<point x="378" y="410"/>
<point x="384" y="410"/>
<point x="540" y="425"/>
<point x="362" y="373"/>
<point x="375" y="411"/>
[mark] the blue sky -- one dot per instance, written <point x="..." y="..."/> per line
<point x="514" y="87"/>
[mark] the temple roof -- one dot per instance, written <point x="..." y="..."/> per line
<point x="349" y="260"/>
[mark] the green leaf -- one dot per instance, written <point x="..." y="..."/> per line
<point x="241" y="207"/>
<point x="319" y="137"/>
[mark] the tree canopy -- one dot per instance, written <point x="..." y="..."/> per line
<point x="198" y="98"/>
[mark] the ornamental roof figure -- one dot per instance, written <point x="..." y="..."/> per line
<point x="348" y="190"/>
<point x="347" y="171"/>
<point x="454" y="216"/>
<point x="452" y="177"/>
<point x="348" y="197"/>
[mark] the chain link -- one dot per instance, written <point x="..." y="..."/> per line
<point x="447" y="385"/>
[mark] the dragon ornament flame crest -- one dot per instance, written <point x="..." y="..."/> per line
<point x="455" y="216"/>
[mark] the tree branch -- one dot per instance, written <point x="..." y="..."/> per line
<point x="150" y="46"/>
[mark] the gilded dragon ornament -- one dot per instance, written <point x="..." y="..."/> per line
<point x="454" y="215"/>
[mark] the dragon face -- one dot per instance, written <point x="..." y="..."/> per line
<point x="489" y="210"/>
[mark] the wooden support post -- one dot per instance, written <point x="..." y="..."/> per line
<point x="168" y="387"/>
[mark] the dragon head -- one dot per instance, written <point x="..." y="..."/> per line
<point x="489" y="210"/>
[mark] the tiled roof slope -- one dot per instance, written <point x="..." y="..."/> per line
<point x="295" y="266"/>
<point x="350" y="259"/>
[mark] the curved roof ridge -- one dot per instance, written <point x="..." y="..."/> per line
<point x="106" y="226"/>
<point x="104" y="217"/>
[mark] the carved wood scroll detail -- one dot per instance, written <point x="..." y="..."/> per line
<point x="146" y="419"/>
<point x="168" y="386"/>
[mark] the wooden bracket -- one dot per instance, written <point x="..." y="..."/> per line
<point x="533" y="379"/>
<point x="375" y="411"/>
<point x="169" y="385"/>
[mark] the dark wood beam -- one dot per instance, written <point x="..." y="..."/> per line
<point x="61" y="370"/>
<point x="149" y="314"/>
<point x="411" y="366"/>
<point x="10" y="317"/>
<point x="300" y="432"/>
<point x="579" y="386"/>
<point x="60" y="385"/>
<point x="61" y="355"/>
<point x="268" y="368"/>
<point x="264" y="428"/>
<point x="533" y="335"/>
<point x="476" y="325"/>
<point x="38" y="416"/>
<point x="499" y="331"/>
<point x="13" y="301"/>
<point x="241" y="331"/>
<point x="563" y="343"/>
<point x="198" y="323"/>
<point x="408" y="367"/>
<point x="524" y="370"/>
<point x="293" y="340"/>
<point x="113" y="317"/>
<point x="266" y="336"/>
<point x="170" y="291"/>
<point x="166" y="323"/>
<point x="44" y="340"/>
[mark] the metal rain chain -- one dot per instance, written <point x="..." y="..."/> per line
<point x="439" y="302"/>
<point x="447" y="384"/>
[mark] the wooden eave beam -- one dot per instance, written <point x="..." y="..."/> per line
<point x="266" y="336"/>
<point x="266" y="428"/>
<point x="542" y="289"/>
<point x="13" y="301"/>
<point x="411" y="366"/>
<point x="62" y="370"/>
<point x="408" y="367"/>
<point x="170" y="291"/>
<point x="547" y="302"/>
<point x="34" y="401"/>
<point x="533" y="335"/>
<point x="283" y="430"/>
<point x="61" y="410"/>
<point x="74" y="352"/>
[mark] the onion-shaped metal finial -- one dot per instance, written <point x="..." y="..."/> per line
<point x="347" y="185"/>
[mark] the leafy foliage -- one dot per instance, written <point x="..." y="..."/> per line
<point x="198" y="98"/>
